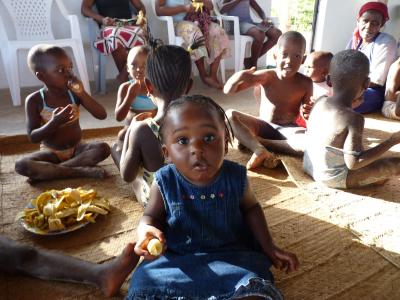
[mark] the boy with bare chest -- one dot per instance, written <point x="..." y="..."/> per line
<point x="282" y="92"/>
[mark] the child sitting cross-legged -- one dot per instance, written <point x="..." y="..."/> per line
<point x="132" y="96"/>
<point x="282" y="92"/>
<point x="334" y="154"/>
<point x="52" y="114"/>
<point x="218" y="245"/>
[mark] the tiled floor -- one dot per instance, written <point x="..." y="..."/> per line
<point x="12" y="118"/>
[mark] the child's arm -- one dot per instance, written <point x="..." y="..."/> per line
<point x="228" y="5"/>
<point x="37" y="132"/>
<point x="127" y="92"/>
<point x="152" y="222"/>
<point x="308" y="101"/>
<point x="96" y="109"/>
<point x="358" y="158"/>
<point x="244" y="79"/>
<point x="255" y="219"/>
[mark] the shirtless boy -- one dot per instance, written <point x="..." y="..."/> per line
<point x="334" y="154"/>
<point x="283" y="91"/>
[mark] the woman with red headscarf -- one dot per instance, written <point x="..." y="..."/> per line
<point x="379" y="47"/>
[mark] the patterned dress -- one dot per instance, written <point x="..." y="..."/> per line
<point x="217" y="39"/>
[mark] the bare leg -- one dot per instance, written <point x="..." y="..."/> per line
<point x="116" y="151"/>
<point x="293" y="146"/>
<point x="120" y="55"/>
<point x="44" y="165"/>
<point x="17" y="258"/>
<point x="88" y="154"/>
<point x="273" y="35"/>
<point x="256" y="47"/>
<point x="245" y="128"/>
<point x="208" y="80"/>
<point x="214" y="70"/>
<point x="376" y="172"/>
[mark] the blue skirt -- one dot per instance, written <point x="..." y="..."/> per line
<point x="219" y="275"/>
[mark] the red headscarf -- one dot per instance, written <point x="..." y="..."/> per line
<point x="377" y="6"/>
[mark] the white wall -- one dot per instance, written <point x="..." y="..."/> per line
<point x="337" y="20"/>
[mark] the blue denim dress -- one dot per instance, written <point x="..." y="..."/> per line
<point x="211" y="254"/>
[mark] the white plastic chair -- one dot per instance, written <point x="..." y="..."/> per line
<point x="30" y="23"/>
<point x="173" y="39"/>
<point x="240" y="41"/>
<point x="98" y="59"/>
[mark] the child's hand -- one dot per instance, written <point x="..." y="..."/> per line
<point x="62" y="115"/>
<point x="134" y="88"/>
<point x="283" y="260"/>
<point x="305" y="108"/>
<point x="242" y="76"/>
<point x="145" y="234"/>
<point x="75" y="85"/>
<point x="143" y="116"/>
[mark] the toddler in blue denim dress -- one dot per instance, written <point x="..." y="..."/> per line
<point x="217" y="242"/>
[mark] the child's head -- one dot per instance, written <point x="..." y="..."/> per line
<point x="289" y="53"/>
<point x="169" y="70"/>
<point x="50" y="64"/>
<point x="136" y="62"/>
<point x="349" y="71"/>
<point x="195" y="133"/>
<point x="317" y="64"/>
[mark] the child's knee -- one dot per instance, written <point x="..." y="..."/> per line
<point x="104" y="149"/>
<point x="22" y="166"/>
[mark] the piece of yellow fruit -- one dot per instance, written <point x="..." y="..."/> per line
<point x="155" y="247"/>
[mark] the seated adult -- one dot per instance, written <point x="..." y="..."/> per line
<point x="379" y="47"/>
<point x="116" y="36"/>
<point x="192" y="24"/>
<point x="258" y="31"/>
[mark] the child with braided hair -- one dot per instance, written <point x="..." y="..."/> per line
<point x="168" y="76"/>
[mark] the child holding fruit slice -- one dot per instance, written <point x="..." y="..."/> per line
<point x="216" y="242"/>
<point x="52" y="115"/>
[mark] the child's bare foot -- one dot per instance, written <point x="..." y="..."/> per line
<point x="113" y="274"/>
<point x="380" y="182"/>
<point x="94" y="172"/>
<point x="212" y="82"/>
<point x="265" y="158"/>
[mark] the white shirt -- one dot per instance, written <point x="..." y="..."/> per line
<point x="381" y="53"/>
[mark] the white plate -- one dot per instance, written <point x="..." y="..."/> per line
<point x="47" y="232"/>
